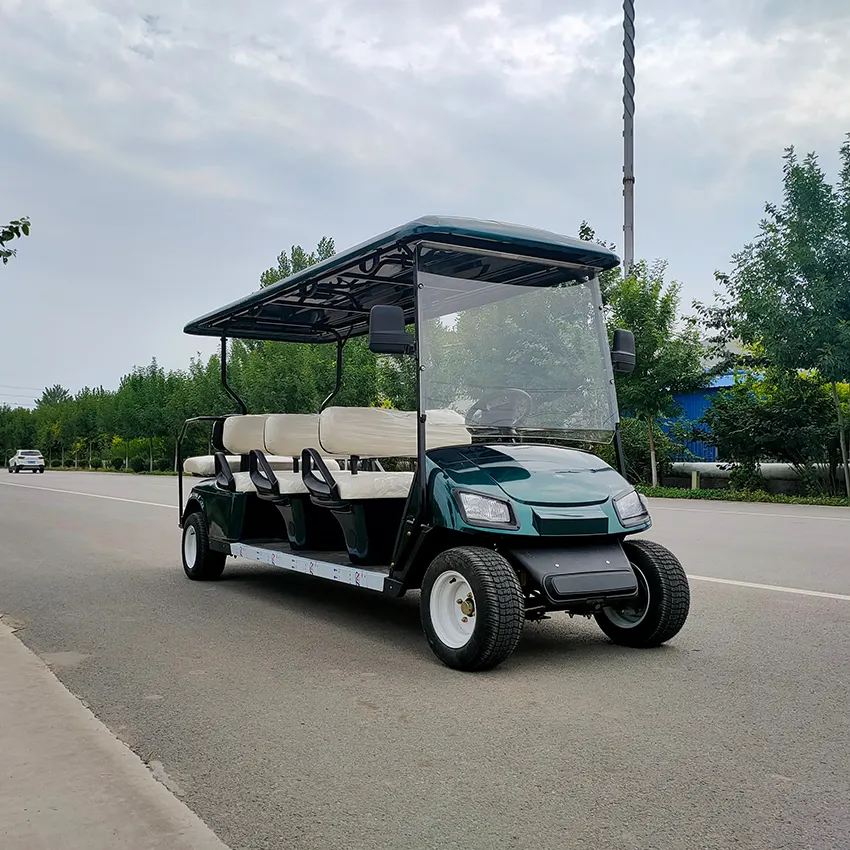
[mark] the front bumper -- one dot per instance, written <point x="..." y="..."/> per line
<point x="580" y="573"/>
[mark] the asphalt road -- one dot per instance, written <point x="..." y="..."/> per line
<point x="289" y="713"/>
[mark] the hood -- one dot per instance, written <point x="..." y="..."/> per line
<point x="534" y="474"/>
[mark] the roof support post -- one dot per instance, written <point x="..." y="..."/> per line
<point x="243" y="409"/>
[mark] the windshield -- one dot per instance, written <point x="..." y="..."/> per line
<point x="30" y="454"/>
<point x="524" y="359"/>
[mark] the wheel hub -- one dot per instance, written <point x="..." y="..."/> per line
<point x="452" y="607"/>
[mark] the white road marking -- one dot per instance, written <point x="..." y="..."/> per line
<point x="92" y="495"/>
<point x="777" y="588"/>
<point x="657" y="507"/>
<point x="797" y="590"/>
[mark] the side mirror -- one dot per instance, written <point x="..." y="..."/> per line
<point x="623" y="351"/>
<point x="387" y="334"/>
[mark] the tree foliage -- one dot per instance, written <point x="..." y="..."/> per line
<point x="783" y="417"/>
<point x="669" y="356"/>
<point x="787" y="298"/>
<point x="15" y="229"/>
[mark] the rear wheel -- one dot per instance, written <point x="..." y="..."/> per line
<point x="200" y="562"/>
<point x="472" y="608"/>
<point x="663" y="600"/>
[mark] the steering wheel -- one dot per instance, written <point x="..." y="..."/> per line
<point x="502" y="409"/>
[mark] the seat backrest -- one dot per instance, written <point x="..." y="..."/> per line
<point x="378" y="432"/>
<point x="288" y="434"/>
<point x="241" y="434"/>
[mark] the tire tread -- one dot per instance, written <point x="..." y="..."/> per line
<point x="675" y="596"/>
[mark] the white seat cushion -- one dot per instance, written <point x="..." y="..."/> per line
<point x="377" y="432"/>
<point x="374" y="485"/>
<point x="204" y="465"/>
<point x="289" y="483"/>
<point x="242" y="433"/>
<point x="290" y="433"/>
<point x="363" y="486"/>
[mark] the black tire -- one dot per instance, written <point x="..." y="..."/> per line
<point x="660" y="573"/>
<point x="498" y="607"/>
<point x="207" y="565"/>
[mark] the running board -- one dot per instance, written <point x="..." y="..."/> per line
<point x="370" y="579"/>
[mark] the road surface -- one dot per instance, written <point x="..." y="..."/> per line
<point x="289" y="713"/>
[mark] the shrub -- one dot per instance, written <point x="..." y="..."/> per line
<point x="117" y="463"/>
<point x="138" y="463"/>
<point x="56" y="463"/>
<point x="96" y="463"/>
<point x="163" y="464"/>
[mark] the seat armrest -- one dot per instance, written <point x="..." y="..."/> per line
<point x="263" y="476"/>
<point x="325" y="487"/>
<point x="223" y="473"/>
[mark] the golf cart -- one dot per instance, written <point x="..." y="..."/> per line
<point x="501" y="515"/>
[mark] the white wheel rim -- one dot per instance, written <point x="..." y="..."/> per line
<point x="190" y="546"/>
<point x="452" y="607"/>
<point x="632" y="614"/>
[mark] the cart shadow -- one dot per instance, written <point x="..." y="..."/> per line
<point x="558" y="641"/>
<point x="344" y="604"/>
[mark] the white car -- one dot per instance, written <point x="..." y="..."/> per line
<point x="26" y="459"/>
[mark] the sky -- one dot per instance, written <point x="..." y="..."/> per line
<point x="166" y="151"/>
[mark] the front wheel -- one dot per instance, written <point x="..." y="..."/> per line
<point x="662" y="603"/>
<point x="472" y="608"/>
<point x="200" y="562"/>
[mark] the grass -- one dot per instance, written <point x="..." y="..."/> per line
<point x="742" y="496"/>
<point x="107" y="469"/>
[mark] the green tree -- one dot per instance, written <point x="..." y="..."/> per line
<point x="52" y="396"/>
<point x="297" y="260"/>
<point x="788" y="292"/>
<point x="669" y="356"/>
<point x="16" y="229"/>
<point x="607" y="279"/>
<point x="778" y="416"/>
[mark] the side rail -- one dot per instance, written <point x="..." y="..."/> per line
<point x="179" y="457"/>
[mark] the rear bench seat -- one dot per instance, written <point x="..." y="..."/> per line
<point x="240" y="434"/>
<point x="370" y="505"/>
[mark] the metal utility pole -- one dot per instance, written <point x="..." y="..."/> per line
<point x="628" y="135"/>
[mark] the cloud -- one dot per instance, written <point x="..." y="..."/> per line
<point x="292" y="120"/>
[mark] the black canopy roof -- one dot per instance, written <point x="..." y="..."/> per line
<point x="331" y="300"/>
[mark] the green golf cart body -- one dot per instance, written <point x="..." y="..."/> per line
<point x="499" y="514"/>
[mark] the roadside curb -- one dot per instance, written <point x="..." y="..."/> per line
<point x="67" y="781"/>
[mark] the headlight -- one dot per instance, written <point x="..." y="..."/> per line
<point x="631" y="509"/>
<point x="484" y="510"/>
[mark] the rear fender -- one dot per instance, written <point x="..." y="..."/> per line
<point x="577" y="573"/>
<point x="223" y="511"/>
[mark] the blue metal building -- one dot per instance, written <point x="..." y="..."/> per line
<point x="693" y="407"/>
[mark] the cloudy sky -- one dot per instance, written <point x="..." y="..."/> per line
<point x="167" y="150"/>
